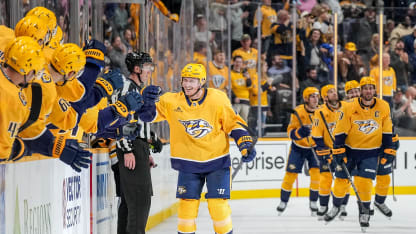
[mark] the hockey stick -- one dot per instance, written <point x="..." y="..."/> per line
<point x="344" y="167"/>
<point x="330" y="136"/>
<point x="255" y="138"/>
<point x="392" y="178"/>
<point x="307" y="139"/>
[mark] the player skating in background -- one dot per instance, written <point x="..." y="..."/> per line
<point x="301" y="151"/>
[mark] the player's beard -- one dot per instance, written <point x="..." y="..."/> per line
<point x="368" y="97"/>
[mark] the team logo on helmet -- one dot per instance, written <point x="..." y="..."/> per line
<point x="366" y="126"/>
<point x="196" y="128"/>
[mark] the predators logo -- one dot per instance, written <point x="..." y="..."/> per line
<point x="218" y="80"/>
<point x="331" y="127"/>
<point x="366" y="126"/>
<point x="196" y="128"/>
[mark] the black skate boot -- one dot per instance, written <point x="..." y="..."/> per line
<point x="328" y="217"/>
<point x="321" y="212"/>
<point x="343" y="213"/>
<point x="364" y="220"/>
<point x="314" y="208"/>
<point x="281" y="207"/>
<point x="383" y="209"/>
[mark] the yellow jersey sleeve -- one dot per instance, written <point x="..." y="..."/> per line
<point x="72" y="91"/>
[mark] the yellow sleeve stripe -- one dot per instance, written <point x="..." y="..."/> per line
<point x="390" y="151"/>
<point x="94" y="53"/>
<point x="338" y="151"/>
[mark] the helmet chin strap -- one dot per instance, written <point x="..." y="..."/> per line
<point x="192" y="95"/>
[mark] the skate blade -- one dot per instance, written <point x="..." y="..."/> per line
<point x="313" y="214"/>
<point x="363" y="229"/>
<point x="279" y="213"/>
<point x="320" y="218"/>
<point x="341" y="218"/>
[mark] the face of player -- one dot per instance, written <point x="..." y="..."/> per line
<point x="146" y="72"/>
<point x="191" y="87"/>
<point x="353" y="93"/>
<point x="368" y="92"/>
<point x="332" y="96"/>
<point x="313" y="100"/>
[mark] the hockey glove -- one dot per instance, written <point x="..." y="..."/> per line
<point x="94" y="51"/>
<point x="339" y="155"/>
<point x="109" y="82"/>
<point x="388" y="156"/>
<point x="151" y="94"/>
<point x="300" y="133"/>
<point x="248" y="152"/>
<point x="325" y="154"/>
<point x="132" y="101"/>
<point x="156" y="145"/>
<point x="71" y="153"/>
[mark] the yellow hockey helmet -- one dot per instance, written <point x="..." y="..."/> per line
<point x="352" y="84"/>
<point x="195" y="70"/>
<point x="68" y="58"/>
<point x="367" y="80"/>
<point x="34" y="27"/>
<point x="325" y="89"/>
<point x="47" y="15"/>
<point x="309" y="91"/>
<point x="58" y="39"/>
<point x="350" y="46"/>
<point x="24" y="54"/>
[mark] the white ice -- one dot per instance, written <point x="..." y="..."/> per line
<point x="256" y="216"/>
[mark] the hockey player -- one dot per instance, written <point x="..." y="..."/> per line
<point x="300" y="151"/>
<point x="23" y="59"/>
<point x="199" y="119"/>
<point x="364" y="125"/>
<point x="352" y="89"/>
<point x="324" y="145"/>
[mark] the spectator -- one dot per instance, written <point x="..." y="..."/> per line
<point x="240" y="84"/>
<point x="311" y="79"/>
<point x="218" y="23"/>
<point x="236" y="16"/>
<point x="400" y="64"/>
<point x="409" y="40"/>
<point x="403" y="29"/>
<point x="351" y="64"/>
<point x="388" y="79"/>
<point x="282" y="35"/>
<point x="200" y="53"/>
<point x="322" y="22"/>
<point x="117" y="55"/>
<point x="313" y="54"/>
<point x="269" y="17"/>
<point x="263" y="91"/>
<point x="368" y="58"/>
<point x="248" y="54"/>
<point x="202" y="34"/>
<point x="402" y="112"/>
<point x="218" y="72"/>
<point x="412" y="59"/>
<point x="362" y="31"/>
<point x="278" y="67"/>
<point x="129" y="40"/>
<point x="121" y="18"/>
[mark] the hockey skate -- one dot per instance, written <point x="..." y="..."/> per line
<point x="321" y="212"/>
<point x="281" y="207"/>
<point x="364" y="221"/>
<point x="383" y="209"/>
<point x="314" y="208"/>
<point x="331" y="214"/>
<point x="343" y="213"/>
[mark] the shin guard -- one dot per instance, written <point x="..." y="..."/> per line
<point x="364" y="187"/>
<point x="220" y="213"/>
<point x="187" y="213"/>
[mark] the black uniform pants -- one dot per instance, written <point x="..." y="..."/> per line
<point x="136" y="191"/>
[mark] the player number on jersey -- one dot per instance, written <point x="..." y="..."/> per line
<point x="221" y="191"/>
<point x="63" y="104"/>
<point x="13" y="129"/>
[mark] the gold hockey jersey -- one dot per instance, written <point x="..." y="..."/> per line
<point x="199" y="129"/>
<point x="319" y="129"/>
<point x="364" y="126"/>
<point x="218" y="77"/>
<point x="294" y="124"/>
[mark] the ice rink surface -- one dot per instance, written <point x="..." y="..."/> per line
<point x="256" y="216"/>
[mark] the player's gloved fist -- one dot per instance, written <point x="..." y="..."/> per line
<point x="132" y="101"/>
<point x="303" y="131"/>
<point x="388" y="156"/>
<point x="156" y="145"/>
<point x="339" y="155"/>
<point x="324" y="153"/>
<point x="71" y="153"/>
<point x="245" y="145"/>
<point x="109" y="82"/>
<point x="94" y="51"/>
<point x="151" y="93"/>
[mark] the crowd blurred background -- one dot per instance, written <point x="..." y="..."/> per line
<point x="269" y="50"/>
